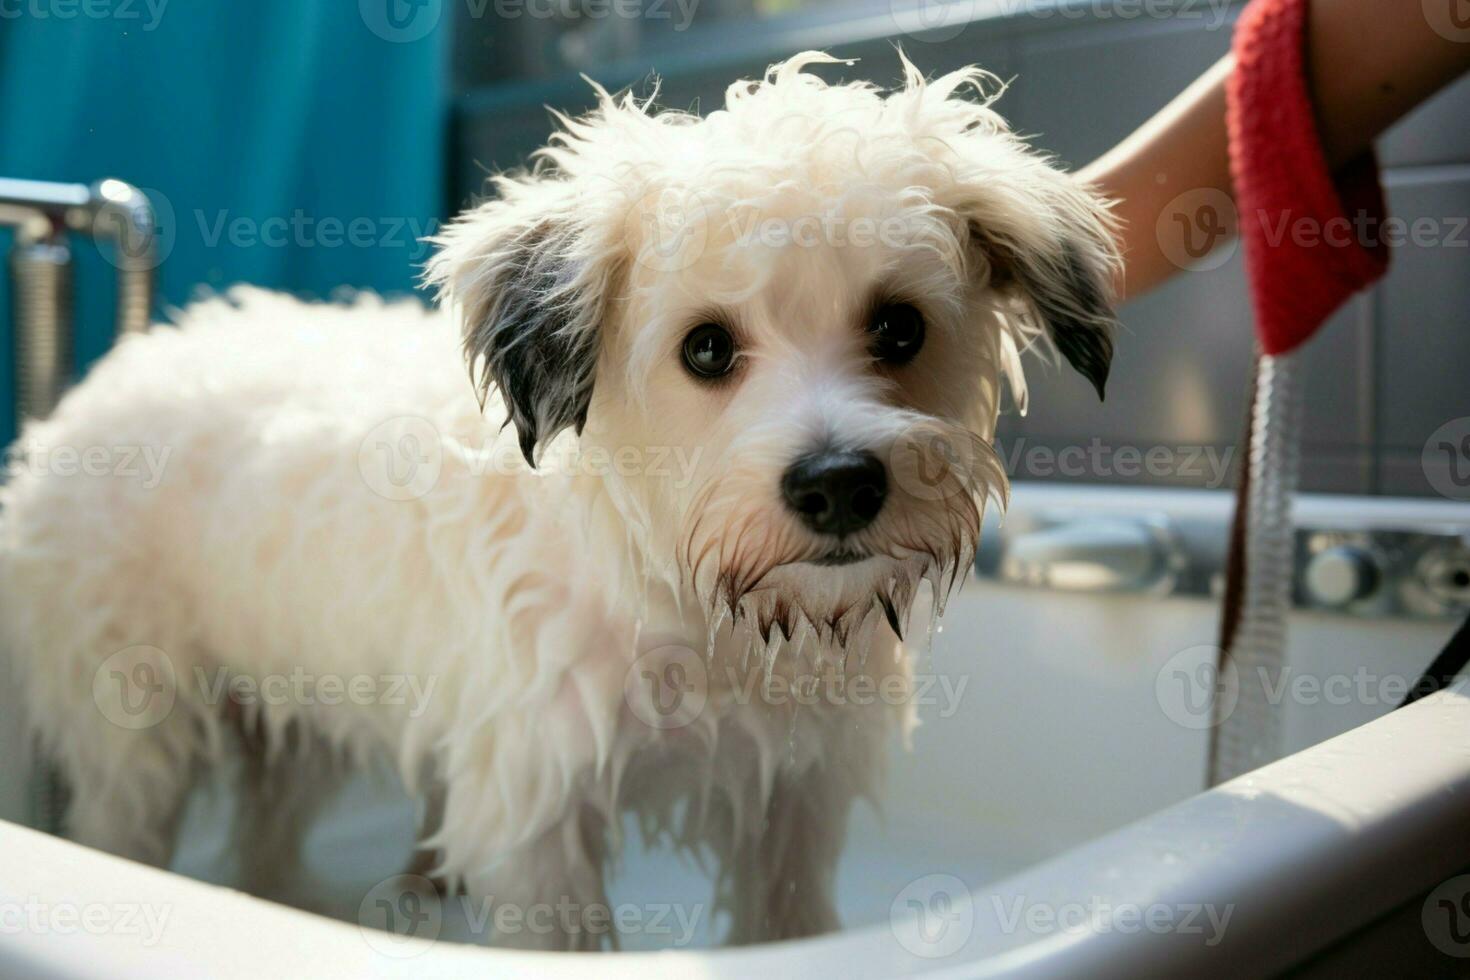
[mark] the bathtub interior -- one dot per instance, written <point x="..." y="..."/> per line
<point x="1001" y="774"/>
<point x="1043" y="727"/>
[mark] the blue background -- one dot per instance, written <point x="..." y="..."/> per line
<point x="268" y="111"/>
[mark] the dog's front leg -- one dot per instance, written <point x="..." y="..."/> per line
<point x="781" y="877"/>
<point x="549" y="893"/>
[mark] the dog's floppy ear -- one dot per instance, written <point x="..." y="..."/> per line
<point x="531" y="293"/>
<point x="1060" y="269"/>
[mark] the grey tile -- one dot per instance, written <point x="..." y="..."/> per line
<point x="1083" y="90"/>
<point x="498" y="129"/>
<point x="1436" y="132"/>
<point x="1401" y="473"/>
<point x="1181" y="369"/>
<point x="1336" y="367"/>
<point x="1424" y="357"/>
<point x="1329" y="471"/>
<point x="1181" y="377"/>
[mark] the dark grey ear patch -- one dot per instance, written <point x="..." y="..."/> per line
<point x="1078" y="316"/>
<point x="529" y="340"/>
<point x="1071" y="299"/>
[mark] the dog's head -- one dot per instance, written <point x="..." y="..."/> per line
<point x="804" y="304"/>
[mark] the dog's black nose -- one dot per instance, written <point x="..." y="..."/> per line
<point x="836" y="492"/>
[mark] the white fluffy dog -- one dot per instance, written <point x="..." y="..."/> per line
<point x="753" y="362"/>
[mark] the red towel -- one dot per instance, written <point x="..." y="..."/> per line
<point x="1312" y="238"/>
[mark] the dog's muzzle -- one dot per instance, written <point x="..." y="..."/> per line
<point x="836" y="493"/>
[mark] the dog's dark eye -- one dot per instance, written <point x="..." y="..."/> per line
<point x="709" y="351"/>
<point x="898" y="333"/>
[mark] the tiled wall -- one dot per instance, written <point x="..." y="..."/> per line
<point x="1385" y="373"/>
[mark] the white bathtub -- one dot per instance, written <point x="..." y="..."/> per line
<point x="1048" y="821"/>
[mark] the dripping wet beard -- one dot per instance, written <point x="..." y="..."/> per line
<point x="756" y="565"/>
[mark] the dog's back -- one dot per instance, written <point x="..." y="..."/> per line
<point x="221" y="501"/>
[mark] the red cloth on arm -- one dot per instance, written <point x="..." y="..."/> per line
<point x="1312" y="238"/>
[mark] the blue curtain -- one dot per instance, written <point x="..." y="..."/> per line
<point x="297" y="144"/>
